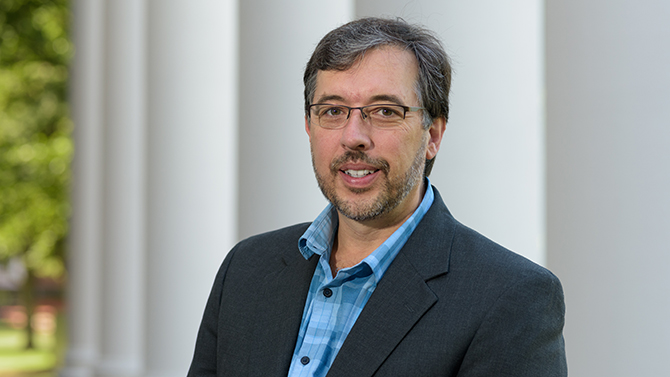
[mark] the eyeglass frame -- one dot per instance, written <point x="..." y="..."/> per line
<point x="360" y="108"/>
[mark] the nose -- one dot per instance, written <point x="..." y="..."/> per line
<point x="356" y="132"/>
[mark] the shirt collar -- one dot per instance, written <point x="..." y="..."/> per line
<point x="318" y="238"/>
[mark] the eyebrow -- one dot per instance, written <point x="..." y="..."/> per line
<point x="332" y="97"/>
<point x="378" y="98"/>
<point x="387" y="97"/>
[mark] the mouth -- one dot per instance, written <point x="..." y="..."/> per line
<point x="358" y="179"/>
<point x="359" y="173"/>
<point x="357" y="164"/>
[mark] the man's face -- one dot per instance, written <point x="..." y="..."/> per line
<point x="367" y="172"/>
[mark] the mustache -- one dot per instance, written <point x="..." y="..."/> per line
<point x="359" y="156"/>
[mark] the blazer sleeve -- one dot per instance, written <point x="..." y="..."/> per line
<point x="204" y="362"/>
<point x="522" y="333"/>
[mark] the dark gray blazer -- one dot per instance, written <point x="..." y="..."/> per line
<point x="452" y="303"/>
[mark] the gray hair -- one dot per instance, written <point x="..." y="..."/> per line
<point x="344" y="46"/>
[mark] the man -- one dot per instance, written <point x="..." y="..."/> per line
<point x="385" y="282"/>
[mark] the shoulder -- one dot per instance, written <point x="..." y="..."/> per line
<point x="279" y="238"/>
<point x="467" y="254"/>
<point x="483" y="266"/>
<point x="473" y="250"/>
<point x="258" y="256"/>
<point x="502" y="295"/>
<point x="268" y="247"/>
<point x="473" y="254"/>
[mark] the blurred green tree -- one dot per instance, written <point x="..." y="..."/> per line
<point x="35" y="143"/>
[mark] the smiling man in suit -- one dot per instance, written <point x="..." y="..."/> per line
<point x="385" y="282"/>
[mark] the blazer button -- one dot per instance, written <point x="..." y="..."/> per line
<point x="304" y="360"/>
<point x="327" y="292"/>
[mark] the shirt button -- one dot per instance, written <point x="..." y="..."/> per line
<point x="327" y="292"/>
<point x="304" y="360"/>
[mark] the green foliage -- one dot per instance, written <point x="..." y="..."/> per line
<point x="35" y="144"/>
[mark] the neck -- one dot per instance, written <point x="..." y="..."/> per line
<point x="356" y="240"/>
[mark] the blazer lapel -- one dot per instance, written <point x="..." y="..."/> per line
<point x="277" y="329"/>
<point x="401" y="297"/>
<point x="389" y="314"/>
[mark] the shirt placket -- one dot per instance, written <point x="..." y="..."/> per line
<point x="326" y="306"/>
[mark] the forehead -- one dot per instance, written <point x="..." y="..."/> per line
<point x="384" y="72"/>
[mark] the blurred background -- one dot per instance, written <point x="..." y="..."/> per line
<point x="35" y="155"/>
<point x="141" y="139"/>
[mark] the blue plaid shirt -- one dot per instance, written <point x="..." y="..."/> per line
<point x="333" y="304"/>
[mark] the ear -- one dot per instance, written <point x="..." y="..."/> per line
<point x="309" y="132"/>
<point x="435" y="133"/>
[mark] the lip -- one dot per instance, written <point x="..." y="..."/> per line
<point x="356" y="166"/>
<point x="358" y="182"/>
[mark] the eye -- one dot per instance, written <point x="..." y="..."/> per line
<point x="333" y="111"/>
<point x="386" y="112"/>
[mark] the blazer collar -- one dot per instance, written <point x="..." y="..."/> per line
<point x="425" y="249"/>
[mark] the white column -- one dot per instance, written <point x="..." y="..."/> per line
<point x="192" y="169"/>
<point x="85" y="238"/>
<point x="123" y="298"/>
<point x="608" y="90"/>
<point x="276" y="40"/>
<point x="490" y="169"/>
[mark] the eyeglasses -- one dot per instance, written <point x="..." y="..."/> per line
<point x="380" y="115"/>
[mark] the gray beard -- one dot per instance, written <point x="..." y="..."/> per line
<point x="392" y="194"/>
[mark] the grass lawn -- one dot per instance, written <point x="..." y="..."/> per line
<point x="41" y="361"/>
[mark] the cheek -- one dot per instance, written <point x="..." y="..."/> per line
<point x="403" y="155"/>
<point x="401" y="148"/>
<point x="323" y="150"/>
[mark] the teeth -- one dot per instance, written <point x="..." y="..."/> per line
<point x="359" y="173"/>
